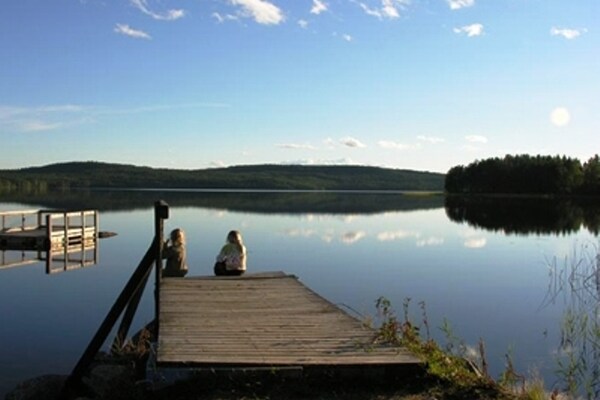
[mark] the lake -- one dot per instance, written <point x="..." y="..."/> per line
<point x="506" y="271"/>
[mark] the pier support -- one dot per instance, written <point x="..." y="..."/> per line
<point x="129" y="298"/>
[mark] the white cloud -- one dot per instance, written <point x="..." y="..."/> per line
<point x="222" y="18"/>
<point x="351" y="142"/>
<point x="303" y="23"/>
<point x="296" y="146"/>
<point x="347" y="37"/>
<point x="154" y="108"/>
<point x="7" y="112"/>
<point x="35" y="119"/>
<point x="430" y="139"/>
<point x="38" y="126"/>
<point x="261" y="11"/>
<point x="329" y="142"/>
<point x="476" y="139"/>
<point x="310" y="161"/>
<point x="567" y="33"/>
<point x="371" y="11"/>
<point x="217" y="164"/>
<point x="388" y="8"/>
<point x="560" y="116"/>
<point x="458" y="4"/>
<point x="389" y="144"/>
<point x="126" y="30"/>
<point x="318" y="7"/>
<point x="470" y="148"/>
<point x="169" y="15"/>
<point x="470" y="30"/>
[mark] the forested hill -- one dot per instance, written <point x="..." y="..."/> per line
<point x="282" y="177"/>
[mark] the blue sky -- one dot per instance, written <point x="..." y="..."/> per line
<point x="414" y="84"/>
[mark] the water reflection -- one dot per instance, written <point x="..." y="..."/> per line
<point x="55" y="260"/>
<point x="514" y="215"/>
<point x="62" y="239"/>
<point x="271" y="202"/>
<point x="525" y="215"/>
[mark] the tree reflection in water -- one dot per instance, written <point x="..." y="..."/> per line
<point x="526" y="215"/>
<point x="576" y="282"/>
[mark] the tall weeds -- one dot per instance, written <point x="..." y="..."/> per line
<point x="575" y="282"/>
<point x="449" y="364"/>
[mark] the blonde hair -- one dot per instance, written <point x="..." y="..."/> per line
<point x="235" y="237"/>
<point x="178" y="237"/>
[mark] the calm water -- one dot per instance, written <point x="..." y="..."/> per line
<point x="486" y="267"/>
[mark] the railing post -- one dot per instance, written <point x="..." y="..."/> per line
<point x="48" y="243"/>
<point x="161" y="212"/>
<point x="96" y="236"/>
<point x="66" y="228"/>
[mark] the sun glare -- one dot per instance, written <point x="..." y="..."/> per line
<point x="560" y="116"/>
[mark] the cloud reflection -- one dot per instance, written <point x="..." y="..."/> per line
<point x="430" y="241"/>
<point x="395" y="235"/>
<point x="300" y="232"/>
<point x="475" y="243"/>
<point x="352" y="237"/>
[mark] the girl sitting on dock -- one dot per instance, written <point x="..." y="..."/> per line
<point x="232" y="258"/>
<point x="174" y="252"/>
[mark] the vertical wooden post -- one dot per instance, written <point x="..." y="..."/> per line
<point x="161" y="212"/>
<point x="96" y="236"/>
<point x="66" y="228"/>
<point x="48" y="243"/>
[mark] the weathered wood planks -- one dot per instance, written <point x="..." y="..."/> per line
<point x="261" y="320"/>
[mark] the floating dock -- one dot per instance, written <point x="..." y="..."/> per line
<point x="65" y="239"/>
<point x="262" y="320"/>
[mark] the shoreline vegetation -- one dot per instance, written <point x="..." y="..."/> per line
<point x="512" y="175"/>
<point x="525" y="174"/>
<point x="258" y="177"/>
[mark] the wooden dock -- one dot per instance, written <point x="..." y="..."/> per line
<point x="65" y="239"/>
<point x="263" y="320"/>
<point x="255" y="321"/>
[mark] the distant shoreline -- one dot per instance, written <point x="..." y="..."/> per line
<point x="251" y="178"/>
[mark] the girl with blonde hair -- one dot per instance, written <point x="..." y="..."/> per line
<point x="174" y="252"/>
<point x="232" y="257"/>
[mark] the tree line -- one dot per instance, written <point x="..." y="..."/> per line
<point x="279" y="177"/>
<point x="525" y="174"/>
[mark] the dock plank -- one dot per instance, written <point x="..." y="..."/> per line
<point x="262" y="320"/>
